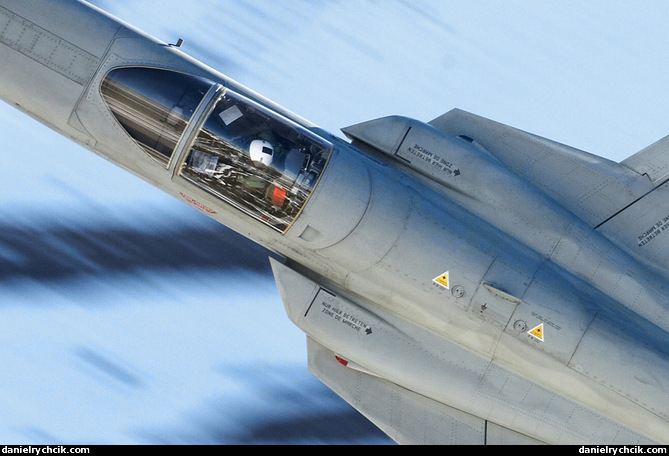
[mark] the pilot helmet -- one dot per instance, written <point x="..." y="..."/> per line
<point x="261" y="151"/>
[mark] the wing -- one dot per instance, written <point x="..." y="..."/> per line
<point x="627" y="202"/>
<point x="653" y="161"/>
<point x="421" y="388"/>
<point x="407" y="417"/>
<point x="591" y="187"/>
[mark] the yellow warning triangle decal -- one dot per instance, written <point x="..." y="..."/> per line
<point x="538" y="332"/>
<point x="442" y="280"/>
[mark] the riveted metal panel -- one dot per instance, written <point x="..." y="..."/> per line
<point x="46" y="48"/>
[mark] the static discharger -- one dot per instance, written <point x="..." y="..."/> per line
<point x="442" y="280"/>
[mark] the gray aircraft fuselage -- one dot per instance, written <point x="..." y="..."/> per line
<point x="459" y="281"/>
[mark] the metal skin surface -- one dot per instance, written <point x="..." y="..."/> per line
<point x="426" y="255"/>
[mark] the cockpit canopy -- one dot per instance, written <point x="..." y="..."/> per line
<point x="153" y="106"/>
<point x="251" y="157"/>
<point x="256" y="159"/>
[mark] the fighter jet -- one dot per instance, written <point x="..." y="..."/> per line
<point x="458" y="281"/>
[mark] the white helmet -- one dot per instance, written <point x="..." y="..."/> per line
<point x="261" y="151"/>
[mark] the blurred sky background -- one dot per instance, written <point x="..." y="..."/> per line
<point x="129" y="317"/>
